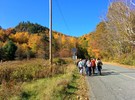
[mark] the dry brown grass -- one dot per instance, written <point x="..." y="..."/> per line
<point x="28" y="70"/>
<point x="9" y="90"/>
<point x="50" y="87"/>
<point x="14" y="72"/>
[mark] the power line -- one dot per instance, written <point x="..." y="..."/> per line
<point x="66" y="25"/>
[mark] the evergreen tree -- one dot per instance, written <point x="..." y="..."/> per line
<point x="9" y="50"/>
<point x="30" y="27"/>
<point x="82" y="52"/>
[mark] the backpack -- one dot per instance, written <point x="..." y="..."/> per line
<point x="85" y="63"/>
<point x="99" y="63"/>
<point x="93" y="63"/>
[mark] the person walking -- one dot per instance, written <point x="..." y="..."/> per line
<point x="93" y="64"/>
<point x="85" y="66"/>
<point x="99" y="65"/>
<point x="80" y="65"/>
<point x="88" y="63"/>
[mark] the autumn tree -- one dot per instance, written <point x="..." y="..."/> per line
<point x="119" y="22"/>
<point x="20" y="37"/>
<point x="3" y="36"/>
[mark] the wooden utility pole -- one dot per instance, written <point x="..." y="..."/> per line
<point x="50" y="31"/>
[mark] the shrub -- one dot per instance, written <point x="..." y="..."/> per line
<point x="126" y="59"/>
<point x="30" y="70"/>
<point x="59" y="61"/>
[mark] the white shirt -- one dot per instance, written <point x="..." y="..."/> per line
<point x="88" y="63"/>
<point x="80" y="64"/>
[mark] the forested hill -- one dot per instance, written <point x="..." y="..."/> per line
<point x="30" y="27"/>
<point x="29" y="40"/>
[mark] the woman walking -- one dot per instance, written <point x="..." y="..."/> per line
<point x="88" y="63"/>
<point x="99" y="65"/>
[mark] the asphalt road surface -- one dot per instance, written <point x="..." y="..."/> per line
<point x="115" y="83"/>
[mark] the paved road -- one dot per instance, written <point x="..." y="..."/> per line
<point x="116" y="83"/>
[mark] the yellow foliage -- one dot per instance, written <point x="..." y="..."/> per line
<point x="20" y="37"/>
<point x="63" y="39"/>
<point x="56" y="36"/>
<point x="34" y="42"/>
<point x="73" y="41"/>
<point x="24" y="46"/>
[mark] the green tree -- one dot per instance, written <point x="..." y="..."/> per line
<point x="82" y="52"/>
<point x="30" y="27"/>
<point x="1" y="53"/>
<point x="9" y="50"/>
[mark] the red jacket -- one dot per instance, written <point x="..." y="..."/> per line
<point x="93" y="63"/>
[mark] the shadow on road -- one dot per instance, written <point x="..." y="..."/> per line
<point x="106" y="72"/>
<point x="109" y="73"/>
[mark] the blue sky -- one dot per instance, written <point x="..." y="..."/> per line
<point x="71" y="17"/>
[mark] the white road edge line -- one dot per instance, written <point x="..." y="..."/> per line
<point x="128" y="76"/>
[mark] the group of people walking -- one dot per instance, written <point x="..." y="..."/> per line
<point x="90" y="66"/>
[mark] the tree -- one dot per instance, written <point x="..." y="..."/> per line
<point x="3" y="36"/>
<point x="82" y="52"/>
<point x="1" y="53"/>
<point x="20" y="37"/>
<point x="120" y="25"/>
<point x="9" y="50"/>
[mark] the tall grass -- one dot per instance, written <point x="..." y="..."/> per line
<point x="28" y="70"/>
<point x="14" y="73"/>
<point x="48" y="88"/>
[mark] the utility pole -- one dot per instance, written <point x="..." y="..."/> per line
<point x="50" y="32"/>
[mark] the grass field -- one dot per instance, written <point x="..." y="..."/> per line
<point x="35" y="80"/>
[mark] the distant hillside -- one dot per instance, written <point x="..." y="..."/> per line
<point x="32" y="40"/>
<point x="30" y="27"/>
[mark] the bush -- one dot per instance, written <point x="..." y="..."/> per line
<point x="30" y="70"/>
<point x="59" y="61"/>
<point x="126" y="59"/>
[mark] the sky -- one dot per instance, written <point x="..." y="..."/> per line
<point x="71" y="17"/>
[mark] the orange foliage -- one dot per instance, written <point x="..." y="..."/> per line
<point x="96" y="52"/>
<point x="9" y="31"/>
<point x="2" y="35"/>
<point x="65" y="53"/>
